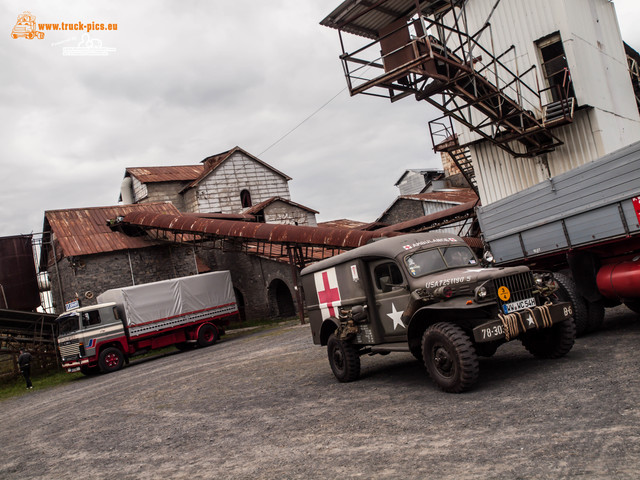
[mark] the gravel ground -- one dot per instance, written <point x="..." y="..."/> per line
<point x="266" y="405"/>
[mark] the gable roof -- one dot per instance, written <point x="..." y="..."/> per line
<point x="213" y="162"/>
<point x="176" y="173"/>
<point x="454" y="196"/>
<point x="258" y="207"/>
<point x="84" y="231"/>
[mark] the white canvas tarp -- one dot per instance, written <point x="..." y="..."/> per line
<point x="151" y="302"/>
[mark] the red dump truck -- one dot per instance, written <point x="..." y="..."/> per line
<point x="185" y="312"/>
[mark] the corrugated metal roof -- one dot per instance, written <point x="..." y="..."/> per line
<point x="84" y="231"/>
<point x="177" y="173"/>
<point x="343" y="223"/>
<point x="262" y="205"/>
<point x="366" y="18"/>
<point x="453" y="195"/>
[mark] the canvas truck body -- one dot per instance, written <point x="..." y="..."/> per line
<point x="185" y="312"/>
<point x="428" y="294"/>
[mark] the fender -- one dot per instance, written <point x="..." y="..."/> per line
<point x="329" y="326"/>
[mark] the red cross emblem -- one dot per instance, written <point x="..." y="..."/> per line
<point x="328" y="292"/>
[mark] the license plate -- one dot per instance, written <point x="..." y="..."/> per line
<point x="75" y="369"/>
<point x="519" y="305"/>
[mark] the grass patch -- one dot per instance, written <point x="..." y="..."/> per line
<point x="17" y="386"/>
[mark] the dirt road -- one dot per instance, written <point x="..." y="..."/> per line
<point x="266" y="405"/>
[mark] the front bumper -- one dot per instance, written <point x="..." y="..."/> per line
<point x="508" y="327"/>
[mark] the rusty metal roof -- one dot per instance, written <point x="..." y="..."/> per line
<point x="84" y="231"/>
<point x="453" y="195"/>
<point x="177" y="173"/>
<point x="366" y="18"/>
<point x="344" y="223"/>
<point x="258" y="207"/>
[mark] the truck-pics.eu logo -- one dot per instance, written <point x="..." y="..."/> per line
<point x="26" y="27"/>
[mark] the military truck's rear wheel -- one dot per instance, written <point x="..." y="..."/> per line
<point x="344" y="359"/>
<point x="450" y="357"/>
<point x="111" y="359"/>
<point x="554" y="342"/>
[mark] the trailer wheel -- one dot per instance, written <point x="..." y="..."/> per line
<point x="553" y="342"/>
<point x="111" y="359"/>
<point x="450" y="357"/>
<point x="344" y="359"/>
<point x="207" y="335"/>
<point x="568" y="292"/>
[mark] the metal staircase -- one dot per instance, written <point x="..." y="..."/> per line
<point x="453" y="72"/>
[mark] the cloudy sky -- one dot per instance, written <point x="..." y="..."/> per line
<point x="185" y="80"/>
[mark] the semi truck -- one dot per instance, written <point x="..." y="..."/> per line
<point x="185" y="312"/>
<point x="582" y="225"/>
<point x="429" y="295"/>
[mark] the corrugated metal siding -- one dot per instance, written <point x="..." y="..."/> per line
<point x="84" y="231"/>
<point x="500" y="175"/>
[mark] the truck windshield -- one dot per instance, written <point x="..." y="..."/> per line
<point x="68" y="324"/>
<point x="436" y="259"/>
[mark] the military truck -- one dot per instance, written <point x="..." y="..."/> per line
<point x="428" y="294"/>
<point x="185" y="312"/>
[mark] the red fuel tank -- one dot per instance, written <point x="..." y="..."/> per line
<point x="620" y="280"/>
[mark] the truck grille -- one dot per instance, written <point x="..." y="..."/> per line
<point x="520" y="287"/>
<point x="70" y="350"/>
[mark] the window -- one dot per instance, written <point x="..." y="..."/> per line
<point x="90" y="318"/>
<point x="555" y="68"/>
<point x="387" y="274"/>
<point x="245" y="198"/>
<point x="436" y="259"/>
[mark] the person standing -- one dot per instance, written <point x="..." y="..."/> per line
<point x="24" y="362"/>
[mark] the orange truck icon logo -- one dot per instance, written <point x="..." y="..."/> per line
<point x="26" y="27"/>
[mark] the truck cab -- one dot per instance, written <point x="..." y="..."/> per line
<point x="428" y="294"/>
<point x="83" y="331"/>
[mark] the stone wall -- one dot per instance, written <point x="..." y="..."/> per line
<point x="88" y="276"/>
<point x="257" y="280"/>
<point x="402" y="210"/>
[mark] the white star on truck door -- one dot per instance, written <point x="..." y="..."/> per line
<point x="395" y="316"/>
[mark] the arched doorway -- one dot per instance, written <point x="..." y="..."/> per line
<point x="280" y="299"/>
<point x="240" y="303"/>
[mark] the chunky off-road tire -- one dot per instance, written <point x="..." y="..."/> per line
<point x="450" y="357"/>
<point x="634" y="306"/>
<point x="207" y="335"/>
<point x="553" y="342"/>
<point x="568" y="292"/>
<point x="111" y="359"/>
<point x="344" y="359"/>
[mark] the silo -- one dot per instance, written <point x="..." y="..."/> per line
<point x="18" y="282"/>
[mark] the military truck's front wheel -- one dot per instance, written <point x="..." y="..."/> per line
<point x="450" y="357"/>
<point x="344" y="359"/>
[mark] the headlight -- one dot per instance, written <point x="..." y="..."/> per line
<point x="481" y="293"/>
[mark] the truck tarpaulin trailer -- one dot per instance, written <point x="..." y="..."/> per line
<point x="583" y="225"/>
<point x="185" y="312"/>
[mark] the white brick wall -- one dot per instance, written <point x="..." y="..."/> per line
<point x="220" y="190"/>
